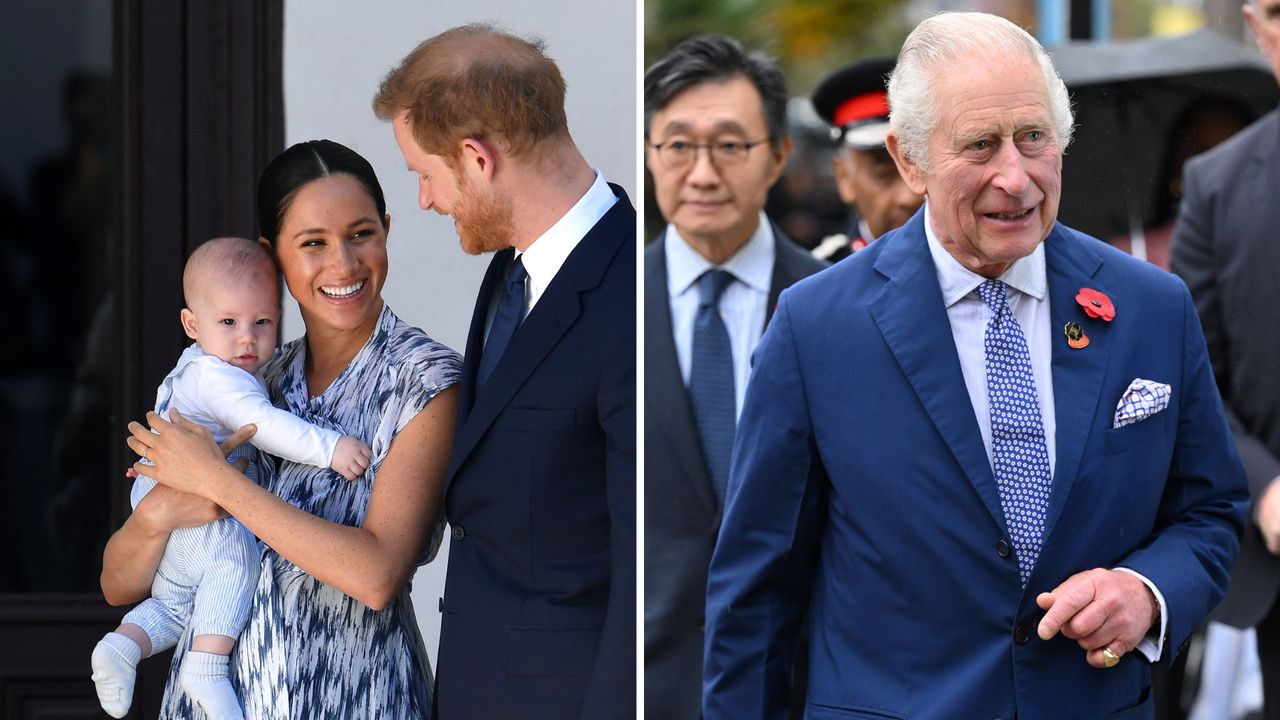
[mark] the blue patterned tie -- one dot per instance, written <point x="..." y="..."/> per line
<point x="1020" y="455"/>
<point x="506" y="318"/>
<point x="711" y="379"/>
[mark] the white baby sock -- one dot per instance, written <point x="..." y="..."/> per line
<point x="204" y="679"/>
<point x="115" y="662"/>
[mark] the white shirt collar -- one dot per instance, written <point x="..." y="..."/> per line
<point x="545" y="255"/>
<point x="752" y="265"/>
<point x="1026" y="274"/>
<point x="864" y="232"/>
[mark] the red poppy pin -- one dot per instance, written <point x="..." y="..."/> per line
<point x="1095" y="304"/>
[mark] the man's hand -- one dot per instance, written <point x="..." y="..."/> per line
<point x="1099" y="609"/>
<point x="182" y="453"/>
<point x="1267" y="515"/>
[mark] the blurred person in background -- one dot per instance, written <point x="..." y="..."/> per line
<point x="1202" y="126"/>
<point x="1224" y="248"/>
<point x="853" y="100"/>
<point x="716" y="139"/>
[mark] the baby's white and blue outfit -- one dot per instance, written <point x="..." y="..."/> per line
<point x="207" y="575"/>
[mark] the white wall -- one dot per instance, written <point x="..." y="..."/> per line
<point x="335" y="54"/>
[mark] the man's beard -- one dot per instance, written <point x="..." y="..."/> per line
<point x="484" y="220"/>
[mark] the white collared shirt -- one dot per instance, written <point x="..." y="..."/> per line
<point x="743" y="306"/>
<point x="546" y="254"/>
<point x="1028" y="293"/>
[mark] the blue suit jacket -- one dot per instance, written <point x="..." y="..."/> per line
<point x="539" y="606"/>
<point x="861" y="490"/>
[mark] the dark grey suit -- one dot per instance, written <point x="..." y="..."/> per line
<point x="682" y="515"/>
<point x="1227" y="249"/>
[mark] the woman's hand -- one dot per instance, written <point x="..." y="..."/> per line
<point x="183" y="454"/>
<point x="133" y="553"/>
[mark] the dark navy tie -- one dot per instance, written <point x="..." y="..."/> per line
<point x="711" y="378"/>
<point x="1020" y="456"/>
<point x="506" y="318"/>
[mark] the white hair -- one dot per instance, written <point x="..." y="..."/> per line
<point x="944" y="39"/>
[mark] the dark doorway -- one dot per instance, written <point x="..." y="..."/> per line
<point x="135" y="130"/>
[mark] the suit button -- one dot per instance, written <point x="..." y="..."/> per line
<point x="458" y="532"/>
<point x="441" y="605"/>
<point x="1021" y="635"/>
<point x="1002" y="549"/>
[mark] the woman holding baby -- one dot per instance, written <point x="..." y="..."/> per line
<point x="331" y="631"/>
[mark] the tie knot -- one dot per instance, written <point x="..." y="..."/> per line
<point x="994" y="295"/>
<point x="711" y="286"/>
<point x="517" y="274"/>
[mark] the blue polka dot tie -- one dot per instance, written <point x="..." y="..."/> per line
<point x="1020" y="458"/>
<point x="711" y="379"/>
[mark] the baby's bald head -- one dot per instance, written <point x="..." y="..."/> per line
<point x="223" y="262"/>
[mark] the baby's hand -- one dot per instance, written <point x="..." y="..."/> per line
<point x="351" y="457"/>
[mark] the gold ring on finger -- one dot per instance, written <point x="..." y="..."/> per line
<point x="1109" y="658"/>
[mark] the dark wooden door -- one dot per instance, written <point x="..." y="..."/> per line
<point x="135" y="130"/>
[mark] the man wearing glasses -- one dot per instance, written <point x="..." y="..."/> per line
<point x="715" y="141"/>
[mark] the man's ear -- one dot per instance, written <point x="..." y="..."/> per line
<point x="478" y="159"/>
<point x="840" y="165"/>
<point x="779" y="157"/>
<point x="189" y="323"/>
<point x="912" y="174"/>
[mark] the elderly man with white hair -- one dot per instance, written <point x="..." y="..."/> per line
<point x="999" y="482"/>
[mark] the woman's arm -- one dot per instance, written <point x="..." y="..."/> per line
<point x="133" y="553"/>
<point x="370" y="563"/>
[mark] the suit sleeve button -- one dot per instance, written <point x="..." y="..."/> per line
<point x="1002" y="549"/>
<point x="458" y="532"/>
<point x="1021" y="635"/>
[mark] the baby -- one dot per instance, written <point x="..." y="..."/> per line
<point x="207" y="575"/>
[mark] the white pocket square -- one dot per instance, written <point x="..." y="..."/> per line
<point x="1143" y="399"/>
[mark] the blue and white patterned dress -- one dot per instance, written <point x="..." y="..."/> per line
<point x="309" y="650"/>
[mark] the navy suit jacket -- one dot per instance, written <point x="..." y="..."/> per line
<point x="891" y="536"/>
<point x="681" y="511"/>
<point x="539" y="606"/>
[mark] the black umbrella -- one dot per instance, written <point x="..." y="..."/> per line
<point x="1128" y="95"/>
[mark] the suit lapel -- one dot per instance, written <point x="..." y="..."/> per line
<point x="556" y="311"/>
<point x="912" y="317"/>
<point x="475" y="335"/>
<point x="1077" y="374"/>
<point x="785" y="271"/>
<point x="667" y="402"/>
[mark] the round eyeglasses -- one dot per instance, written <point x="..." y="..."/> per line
<point x="681" y="154"/>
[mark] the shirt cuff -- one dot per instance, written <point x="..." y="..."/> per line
<point x="1152" y="646"/>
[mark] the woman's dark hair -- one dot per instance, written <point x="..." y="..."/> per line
<point x="304" y="163"/>
<point x="712" y="59"/>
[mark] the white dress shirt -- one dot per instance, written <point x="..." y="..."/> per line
<point x="743" y="304"/>
<point x="547" y="253"/>
<point x="1029" y="302"/>
<point x="1028" y="293"/>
